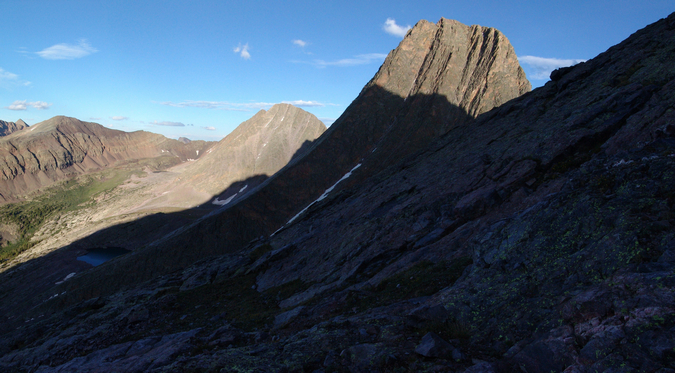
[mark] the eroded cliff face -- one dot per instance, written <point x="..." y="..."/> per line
<point x="63" y="147"/>
<point x="8" y="127"/>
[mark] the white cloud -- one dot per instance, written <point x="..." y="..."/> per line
<point x="67" y="51"/>
<point x="119" y="117"/>
<point x="7" y="78"/>
<point x="24" y="105"/>
<point x="243" y="51"/>
<point x="233" y="106"/>
<point x="302" y="103"/>
<point x="209" y="128"/>
<point x="542" y="67"/>
<point x="390" y="27"/>
<point x="94" y="118"/>
<point x="300" y="43"/>
<point x="361" y="59"/>
<point x="168" y="124"/>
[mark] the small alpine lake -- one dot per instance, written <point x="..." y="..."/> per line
<point x="101" y="255"/>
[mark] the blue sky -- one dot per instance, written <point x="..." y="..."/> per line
<point x="199" y="68"/>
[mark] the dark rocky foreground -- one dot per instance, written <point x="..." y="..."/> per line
<point x="538" y="237"/>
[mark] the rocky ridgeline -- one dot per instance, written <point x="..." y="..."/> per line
<point x="537" y="237"/>
<point x="62" y="147"/>
<point x="8" y="127"/>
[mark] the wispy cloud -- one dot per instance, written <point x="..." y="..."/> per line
<point x="168" y="124"/>
<point x="11" y="79"/>
<point x="243" y="51"/>
<point x="94" y="118"/>
<point x="119" y="117"/>
<point x="390" y="27"/>
<point x="234" y="106"/>
<point x="542" y="67"/>
<point x="209" y="128"/>
<point x="303" y="103"/>
<point x="24" y="105"/>
<point x="67" y="51"/>
<point x="300" y="43"/>
<point x="361" y="59"/>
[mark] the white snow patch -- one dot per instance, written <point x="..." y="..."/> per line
<point x="197" y="152"/>
<point x="622" y="163"/>
<point x="70" y="275"/>
<point x="224" y="202"/>
<point x="325" y="194"/>
<point x="244" y="188"/>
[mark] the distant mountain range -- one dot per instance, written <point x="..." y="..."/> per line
<point x="62" y="147"/>
<point x="8" y="127"/>
<point x="449" y="220"/>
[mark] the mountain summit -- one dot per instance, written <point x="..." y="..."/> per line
<point x="259" y="146"/>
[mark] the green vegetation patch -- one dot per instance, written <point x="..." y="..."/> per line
<point x="70" y="195"/>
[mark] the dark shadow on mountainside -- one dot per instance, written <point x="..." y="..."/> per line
<point x="163" y="243"/>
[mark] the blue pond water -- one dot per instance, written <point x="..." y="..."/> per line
<point x="101" y="255"/>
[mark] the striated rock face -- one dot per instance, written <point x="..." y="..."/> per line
<point x="8" y="127"/>
<point x="261" y="146"/>
<point x="63" y="147"/>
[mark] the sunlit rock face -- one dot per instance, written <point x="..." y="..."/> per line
<point x="261" y="145"/>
